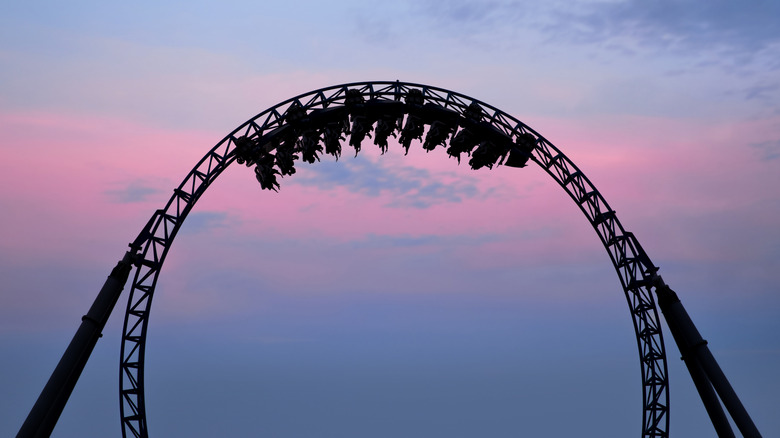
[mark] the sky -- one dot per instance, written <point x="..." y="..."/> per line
<point x="390" y="295"/>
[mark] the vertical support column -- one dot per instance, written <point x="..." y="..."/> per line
<point x="705" y="371"/>
<point x="44" y="414"/>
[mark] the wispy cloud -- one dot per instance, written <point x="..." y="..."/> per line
<point x="135" y="191"/>
<point x="766" y="93"/>
<point x="737" y="30"/>
<point x="374" y="241"/>
<point x="480" y="23"/>
<point x="731" y="34"/>
<point x="198" y="222"/>
<point x="408" y="186"/>
<point x="466" y="13"/>
<point x="768" y="150"/>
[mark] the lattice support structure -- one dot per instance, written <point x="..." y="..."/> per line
<point x="301" y="126"/>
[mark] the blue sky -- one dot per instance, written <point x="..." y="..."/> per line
<point x="392" y="295"/>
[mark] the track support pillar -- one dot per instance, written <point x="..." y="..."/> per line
<point x="44" y="414"/>
<point x="707" y="375"/>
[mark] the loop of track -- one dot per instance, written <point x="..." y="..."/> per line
<point x="631" y="263"/>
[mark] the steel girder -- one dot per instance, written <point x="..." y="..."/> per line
<point x="284" y="126"/>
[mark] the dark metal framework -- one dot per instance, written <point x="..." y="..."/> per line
<point x="489" y="136"/>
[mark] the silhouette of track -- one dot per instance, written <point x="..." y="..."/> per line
<point x="320" y="121"/>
